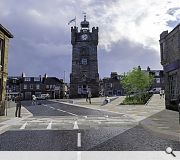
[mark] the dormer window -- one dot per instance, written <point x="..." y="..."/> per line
<point x="36" y="79"/>
<point x="162" y="49"/>
<point x="27" y="79"/>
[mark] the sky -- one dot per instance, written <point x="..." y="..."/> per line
<point x="128" y="33"/>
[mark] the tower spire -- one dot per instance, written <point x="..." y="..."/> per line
<point x="84" y="24"/>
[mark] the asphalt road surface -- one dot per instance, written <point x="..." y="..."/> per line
<point x="48" y="108"/>
<point x="60" y="127"/>
<point x="101" y="139"/>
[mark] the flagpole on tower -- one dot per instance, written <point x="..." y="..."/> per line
<point x="72" y="20"/>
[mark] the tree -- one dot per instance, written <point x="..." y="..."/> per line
<point x="136" y="81"/>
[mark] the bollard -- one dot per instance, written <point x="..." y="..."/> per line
<point x="6" y="106"/>
<point x="79" y="140"/>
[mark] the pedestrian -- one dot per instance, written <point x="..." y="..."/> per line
<point x="163" y="93"/>
<point x="33" y="100"/>
<point x="89" y="96"/>
<point x="107" y="100"/>
<point x="18" y="105"/>
<point x="179" y="106"/>
<point x="160" y="93"/>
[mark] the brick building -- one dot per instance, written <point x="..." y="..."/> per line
<point x="5" y="35"/>
<point x="111" y="86"/>
<point x="29" y="86"/>
<point x="158" y="75"/>
<point x="170" y="59"/>
<point x="53" y="86"/>
<point x="13" y="86"/>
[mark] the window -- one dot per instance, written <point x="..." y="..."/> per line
<point x="157" y="73"/>
<point x="27" y="79"/>
<point x="36" y="79"/>
<point x="173" y="86"/>
<point x="158" y="80"/>
<point x="1" y="48"/>
<point x="84" y="61"/>
<point x="79" y="89"/>
<point x="31" y="86"/>
<point x="25" y="86"/>
<point x="47" y="86"/>
<point x="37" y="86"/>
<point x="108" y="85"/>
<point x="162" y="48"/>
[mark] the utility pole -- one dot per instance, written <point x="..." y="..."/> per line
<point x="64" y="76"/>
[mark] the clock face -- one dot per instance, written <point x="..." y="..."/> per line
<point x="84" y="37"/>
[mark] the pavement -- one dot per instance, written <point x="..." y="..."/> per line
<point x="9" y="118"/>
<point x="152" y="116"/>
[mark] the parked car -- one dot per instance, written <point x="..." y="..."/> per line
<point x="45" y="95"/>
<point x="42" y="96"/>
<point x="155" y="90"/>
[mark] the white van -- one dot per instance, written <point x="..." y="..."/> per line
<point x="155" y="90"/>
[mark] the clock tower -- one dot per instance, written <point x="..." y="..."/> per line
<point x="84" y="74"/>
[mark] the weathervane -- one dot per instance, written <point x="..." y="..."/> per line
<point x="84" y="13"/>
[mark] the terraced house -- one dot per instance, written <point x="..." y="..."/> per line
<point x="5" y="35"/>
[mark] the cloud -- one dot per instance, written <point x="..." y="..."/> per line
<point x="128" y="30"/>
<point x="135" y="20"/>
<point x="125" y="56"/>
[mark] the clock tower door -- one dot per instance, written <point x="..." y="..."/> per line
<point x="84" y="74"/>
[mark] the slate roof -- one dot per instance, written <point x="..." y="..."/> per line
<point x="51" y="80"/>
<point x="5" y="31"/>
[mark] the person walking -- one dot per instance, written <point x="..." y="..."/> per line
<point x="89" y="96"/>
<point x="160" y="93"/>
<point x="18" y="105"/>
<point x="33" y="100"/>
<point x="163" y="93"/>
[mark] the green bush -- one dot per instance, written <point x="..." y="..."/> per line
<point x="136" y="99"/>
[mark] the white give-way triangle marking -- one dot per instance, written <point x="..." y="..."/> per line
<point x="75" y="125"/>
<point x="49" y="125"/>
<point x="23" y="126"/>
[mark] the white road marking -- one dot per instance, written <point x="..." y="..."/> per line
<point x="79" y="140"/>
<point x="106" y="116"/>
<point x="4" y="128"/>
<point x="67" y="112"/>
<point x="23" y="126"/>
<point x="75" y="125"/>
<point x="49" y="125"/>
<point x="61" y="110"/>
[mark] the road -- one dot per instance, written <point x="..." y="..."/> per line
<point x="60" y="127"/>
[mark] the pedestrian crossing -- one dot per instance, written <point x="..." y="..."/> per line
<point x="71" y="123"/>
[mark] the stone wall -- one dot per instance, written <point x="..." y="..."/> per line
<point x="170" y="59"/>
<point x="3" y="71"/>
<point x="84" y="74"/>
